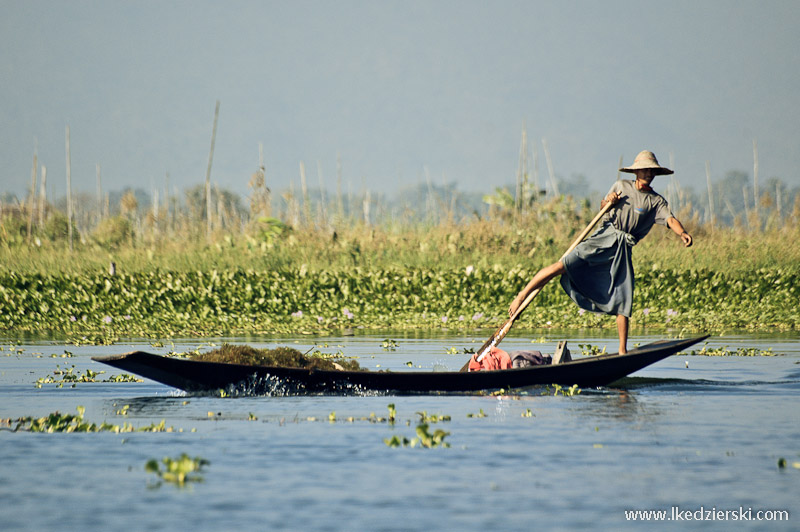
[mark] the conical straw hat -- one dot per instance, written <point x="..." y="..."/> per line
<point x="646" y="159"/>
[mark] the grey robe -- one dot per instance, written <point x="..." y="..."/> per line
<point x="599" y="271"/>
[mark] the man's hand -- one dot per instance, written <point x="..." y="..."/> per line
<point x="612" y="198"/>
<point x="515" y="304"/>
<point x="687" y="239"/>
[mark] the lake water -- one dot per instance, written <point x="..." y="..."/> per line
<point x="707" y="436"/>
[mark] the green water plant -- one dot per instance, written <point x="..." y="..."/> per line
<point x="561" y="390"/>
<point x="389" y="345"/>
<point x="424" y="438"/>
<point x="723" y="351"/>
<point x="592" y="350"/>
<point x="178" y="470"/>
<point x="424" y="417"/>
<point x="58" y="422"/>
<point x="68" y="375"/>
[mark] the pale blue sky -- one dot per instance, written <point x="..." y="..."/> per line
<point x="395" y="87"/>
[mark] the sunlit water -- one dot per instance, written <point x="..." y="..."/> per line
<point x="708" y="435"/>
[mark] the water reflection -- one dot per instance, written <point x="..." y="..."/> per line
<point x="618" y="404"/>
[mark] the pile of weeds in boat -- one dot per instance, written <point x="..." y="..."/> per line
<point x="281" y="356"/>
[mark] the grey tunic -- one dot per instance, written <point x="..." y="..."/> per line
<point x="599" y="271"/>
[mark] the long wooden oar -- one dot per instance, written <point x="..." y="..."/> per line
<point x="500" y="333"/>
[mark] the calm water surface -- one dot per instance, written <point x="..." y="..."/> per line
<point x="708" y="435"/>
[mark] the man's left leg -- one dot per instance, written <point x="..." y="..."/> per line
<point x="622" y="329"/>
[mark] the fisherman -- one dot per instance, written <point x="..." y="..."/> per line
<point x="599" y="271"/>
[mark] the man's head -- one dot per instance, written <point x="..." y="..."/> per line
<point x="646" y="167"/>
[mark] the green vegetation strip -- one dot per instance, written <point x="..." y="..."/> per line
<point x="58" y="422"/>
<point x="169" y="303"/>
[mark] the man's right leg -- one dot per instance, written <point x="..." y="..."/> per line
<point x="541" y="278"/>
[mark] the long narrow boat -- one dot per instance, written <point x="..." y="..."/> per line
<point x="196" y="376"/>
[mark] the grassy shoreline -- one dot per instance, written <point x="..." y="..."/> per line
<point x="168" y="304"/>
<point x="454" y="276"/>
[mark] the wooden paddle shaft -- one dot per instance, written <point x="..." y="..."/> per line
<point x="498" y="336"/>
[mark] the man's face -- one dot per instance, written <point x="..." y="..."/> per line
<point x="646" y="175"/>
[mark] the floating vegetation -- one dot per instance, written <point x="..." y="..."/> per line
<point x="389" y="345"/>
<point x="479" y="414"/>
<point x="725" y="352"/>
<point x="70" y="376"/>
<point x="280" y="356"/>
<point x="177" y="471"/>
<point x="527" y="413"/>
<point x="94" y="340"/>
<point x="782" y="463"/>
<point x="58" y="422"/>
<point x="560" y="390"/>
<point x="424" y="438"/>
<point x="592" y="350"/>
<point x="98" y="309"/>
<point x="424" y="417"/>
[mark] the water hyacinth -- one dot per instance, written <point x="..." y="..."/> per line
<point x="198" y="303"/>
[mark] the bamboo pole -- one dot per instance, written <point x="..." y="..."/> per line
<point x="208" y="173"/>
<point x="710" y="194"/>
<point x="746" y="208"/>
<point x="518" y="191"/>
<point x="168" y="217"/>
<point x="42" y="196"/>
<point x="32" y="199"/>
<point x="263" y="169"/>
<point x="339" y="202"/>
<point x="366" y="206"/>
<point x="553" y="183"/>
<point x="755" y="178"/>
<point x="99" y="194"/>
<point x="323" y="222"/>
<point x="536" y="187"/>
<point x="69" y="191"/>
<point x="304" y="193"/>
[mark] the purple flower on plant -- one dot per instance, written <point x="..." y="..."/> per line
<point x="444" y="319"/>
<point x="477" y="316"/>
<point x="73" y="318"/>
<point x="107" y="319"/>
<point x="127" y="316"/>
<point x="298" y="314"/>
<point x="646" y="312"/>
<point x="671" y="312"/>
<point x="320" y="319"/>
<point x="347" y="313"/>
<point x="461" y="318"/>
<point x="581" y="311"/>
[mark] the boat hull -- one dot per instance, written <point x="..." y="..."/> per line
<point x="196" y="376"/>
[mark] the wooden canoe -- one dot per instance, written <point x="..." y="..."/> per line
<point x="195" y="376"/>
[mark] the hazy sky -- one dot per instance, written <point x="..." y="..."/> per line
<point x="395" y="88"/>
